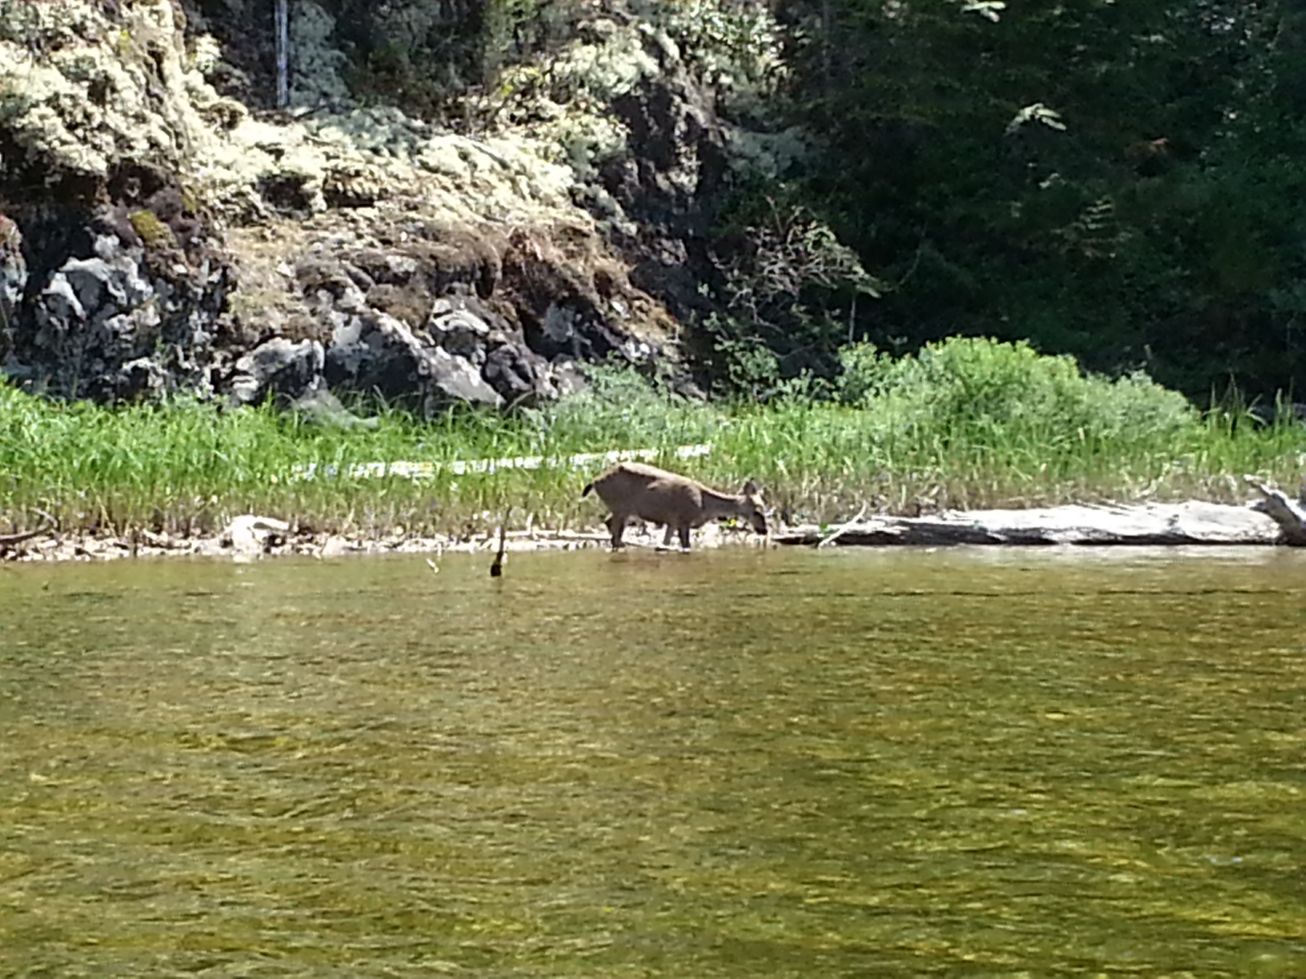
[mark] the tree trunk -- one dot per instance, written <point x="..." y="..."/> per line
<point x="282" y="18"/>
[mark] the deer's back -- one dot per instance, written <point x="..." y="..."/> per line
<point x="650" y="493"/>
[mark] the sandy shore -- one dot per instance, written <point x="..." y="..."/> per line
<point x="245" y="544"/>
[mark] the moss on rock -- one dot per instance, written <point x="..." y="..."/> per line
<point x="152" y="232"/>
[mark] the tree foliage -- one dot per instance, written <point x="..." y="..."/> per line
<point x="1120" y="181"/>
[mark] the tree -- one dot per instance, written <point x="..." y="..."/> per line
<point x="1113" y="180"/>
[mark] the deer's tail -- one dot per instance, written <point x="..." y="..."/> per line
<point x="586" y="491"/>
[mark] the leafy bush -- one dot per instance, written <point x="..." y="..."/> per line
<point x="732" y="45"/>
<point x="786" y="284"/>
<point x="982" y="390"/>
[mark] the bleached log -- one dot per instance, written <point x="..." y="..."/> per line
<point x="1191" y="523"/>
<point x="460" y="467"/>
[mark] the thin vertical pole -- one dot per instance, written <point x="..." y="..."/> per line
<point x="283" y="53"/>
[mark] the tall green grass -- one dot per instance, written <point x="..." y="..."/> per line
<point x="190" y="467"/>
<point x="971" y="423"/>
<point x="966" y="423"/>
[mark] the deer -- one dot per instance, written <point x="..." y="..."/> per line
<point x="632" y="489"/>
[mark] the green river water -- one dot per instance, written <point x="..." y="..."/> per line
<point x="744" y="763"/>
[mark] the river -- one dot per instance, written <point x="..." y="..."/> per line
<point x="736" y="763"/>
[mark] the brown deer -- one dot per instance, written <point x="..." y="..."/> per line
<point x="632" y="489"/>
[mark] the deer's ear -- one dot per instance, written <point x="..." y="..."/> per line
<point x="752" y="489"/>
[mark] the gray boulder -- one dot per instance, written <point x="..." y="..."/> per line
<point x="520" y="375"/>
<point x="374" y="353"/>
<point x="318" y="406"/>
<point x="277" y="367"/>
<point x="459" y="330"/>
<point x="13" y="280"/>
<point x="117" y="324"/>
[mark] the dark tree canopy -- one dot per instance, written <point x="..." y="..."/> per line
<point x="1121" y="181"/>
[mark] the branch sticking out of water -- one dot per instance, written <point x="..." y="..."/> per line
<point x="1276" y="505"/>
<point x="496" y="567"/>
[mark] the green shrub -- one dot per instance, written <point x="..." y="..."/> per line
<point x="975" y="389"/>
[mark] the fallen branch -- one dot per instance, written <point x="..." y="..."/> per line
<point x="840" y="532"/>
<point x="571" y="535"/>
<point x="7" y="540"/>
<point x="1283" y="511"/>
<point x="462" y="467"/>
<point x="646" y="545"/>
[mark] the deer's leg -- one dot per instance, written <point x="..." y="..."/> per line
<point x="616" y="526"/>
<point x="684" y="537"/>
<point x="666" y="536"/>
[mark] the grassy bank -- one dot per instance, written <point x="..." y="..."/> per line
<point x="968" y="424"/>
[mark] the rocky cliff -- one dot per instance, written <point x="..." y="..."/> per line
<point x="159" y="232"/>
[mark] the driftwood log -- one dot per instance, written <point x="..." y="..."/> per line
<point x="1272" y="520"/>
<point x="48" y="524"/>
<point x="1290" y="516"/>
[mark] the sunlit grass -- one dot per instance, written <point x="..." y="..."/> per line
<point x="822" y="461"/>
<point x="190" y="467"/>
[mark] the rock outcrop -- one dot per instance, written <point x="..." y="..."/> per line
<point x="157" y="236"/>
<point x="123" y="301"/>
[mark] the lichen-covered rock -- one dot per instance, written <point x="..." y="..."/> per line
<point x="13" y="280"/>
<point x="122" y="286"/>
<point x="178" y="240"/>
<point x="640" y="129"/>
<point x="412" y="305"/>
<point x="85" y="85"/>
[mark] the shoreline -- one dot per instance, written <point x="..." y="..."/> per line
<point x="1272" y="521"/>
<point x="241" y="543"/>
